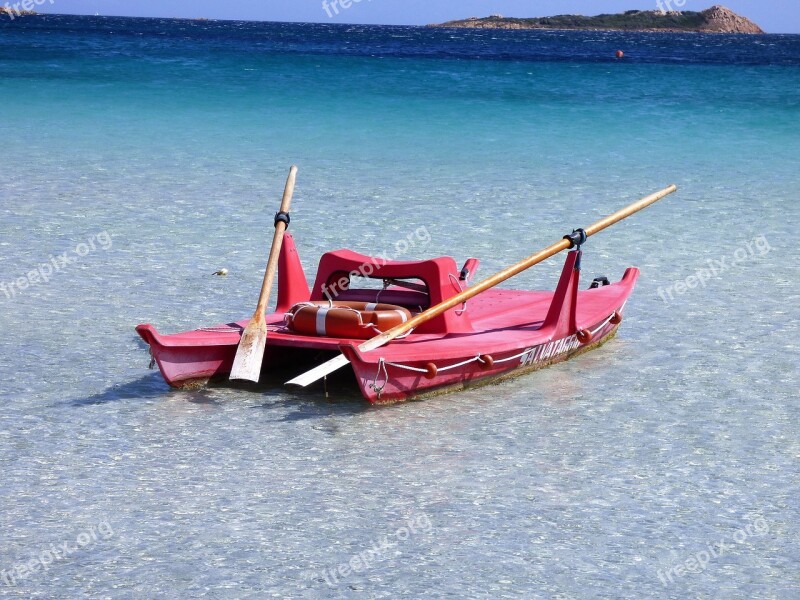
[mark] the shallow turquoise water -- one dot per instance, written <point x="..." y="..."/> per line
<point x="589" y="479"/>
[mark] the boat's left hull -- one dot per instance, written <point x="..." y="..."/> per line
<point x="191" y="361"/>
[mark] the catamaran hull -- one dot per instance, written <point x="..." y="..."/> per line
<point x="193" y="359"/>
<point x="384" y="382"/>
<point x="190" y="363"/>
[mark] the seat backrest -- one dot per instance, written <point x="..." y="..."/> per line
<point x="439" y="276"/>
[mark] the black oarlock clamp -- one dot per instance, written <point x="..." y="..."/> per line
<point x="576" y="239"/>
<point x="282" y="217"/>
<point x="599" y="282"/>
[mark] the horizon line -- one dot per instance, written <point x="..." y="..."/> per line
<point x="227" y="19"/>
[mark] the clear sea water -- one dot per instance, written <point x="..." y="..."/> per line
<point x="154" y="152"/>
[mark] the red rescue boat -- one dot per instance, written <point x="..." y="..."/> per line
<point x="427" y="330"/>
<point x="495" y="335"/>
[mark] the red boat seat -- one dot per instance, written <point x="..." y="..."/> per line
<point x="391" y="295"/>
<point x="439" y="276"/>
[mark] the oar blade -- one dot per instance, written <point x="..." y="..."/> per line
<point x="250" y="353"/>
<point x="317" y="373"/>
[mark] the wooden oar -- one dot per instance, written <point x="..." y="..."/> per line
<point x="250" y="353"/>
<point x="335" y="363"/>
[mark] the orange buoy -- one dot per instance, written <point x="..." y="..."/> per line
<point x="620" y="54"/>
<point x="358" y="320"/>
<point x="584" y="336"/>
<point x="432" y="371"/>
<point x="616" y="318"/>
<point x="486" y="361"/>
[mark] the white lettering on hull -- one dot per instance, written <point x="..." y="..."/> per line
<point x="549" y="350"/>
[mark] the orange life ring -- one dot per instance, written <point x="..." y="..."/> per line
<point x="354" y="320"/>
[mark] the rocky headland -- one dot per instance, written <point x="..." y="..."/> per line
<point x="716" y="19"/>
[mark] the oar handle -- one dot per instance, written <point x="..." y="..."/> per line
<point x="509" y="272"/>
<point x="281" y="222"/>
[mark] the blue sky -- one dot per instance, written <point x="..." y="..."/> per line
<point x="775" y="16"/>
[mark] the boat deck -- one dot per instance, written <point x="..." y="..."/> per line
<point x="502" y="319"/>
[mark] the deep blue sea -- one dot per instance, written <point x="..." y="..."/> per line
<point x="140" y="156"/>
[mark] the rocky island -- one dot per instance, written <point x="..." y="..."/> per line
<point x="716" y="19"/>
<point x="14" y="11"/>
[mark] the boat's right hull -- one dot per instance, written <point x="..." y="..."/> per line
<point x="385" y="382"/>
